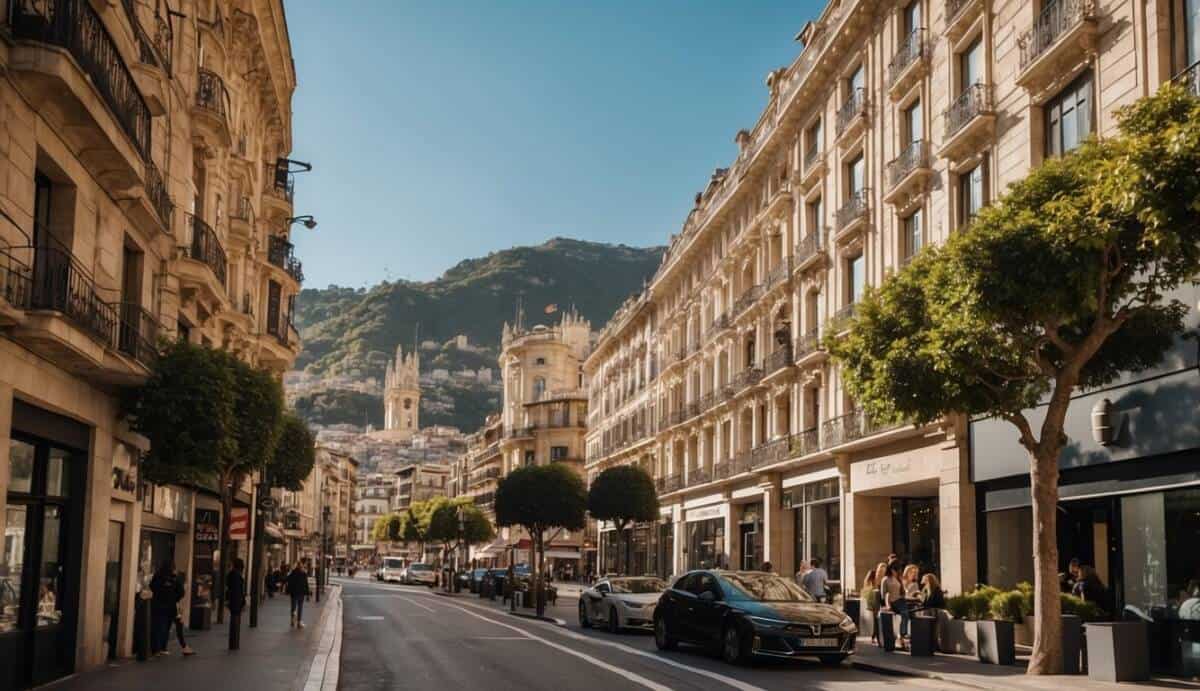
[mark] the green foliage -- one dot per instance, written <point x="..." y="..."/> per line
<point x="541" y="497"/>
<point x="387" y="528"/>
<point x="446" y="528"/>
<point x="341" y="407"/>
<point x="1008" y="606"/>
<point x="623" y="494"/>
<point x="1088" y="611"/>
<point x="975" y="605"/>
<point x="1097" y="239"/>
<point x="257" y="418"/>
<point x="959" y="606"/>
<point x="295" y="454"/>
<point x="185" y="409"/>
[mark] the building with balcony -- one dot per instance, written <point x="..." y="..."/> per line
<point x="372" y="500"/>
<point x="892" y="127"/>
<point x="338" y="483"/>
<point x="138" y="201"/>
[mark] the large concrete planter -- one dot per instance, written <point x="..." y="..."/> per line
<point x="1118" y="651"/>
<point x="922" y="640"/>
<point x="1072" y="640"/>
<point x="958" y="637"/>
<point x="1023" y="632"/>
<point x="996" y="644"/>
<point x="887" y="630"/>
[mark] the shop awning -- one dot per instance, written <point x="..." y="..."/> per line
<point x="562" y="554"/>
<point x="494" y="548"/>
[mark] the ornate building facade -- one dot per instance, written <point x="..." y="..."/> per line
<point x="893" y="126"/>
<point x="145" y="193"/>
<point x="402" y="396"/>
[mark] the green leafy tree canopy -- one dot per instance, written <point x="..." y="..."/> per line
<point x="623" y="494"/>
<point x="295" y="454"/>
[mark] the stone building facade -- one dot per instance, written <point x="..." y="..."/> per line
<point x="144" y="194"/>
<point x="401" y="397"/>
<point x="893" y="126"/>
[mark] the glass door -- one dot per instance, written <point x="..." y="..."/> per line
<point x="112" y="587"/>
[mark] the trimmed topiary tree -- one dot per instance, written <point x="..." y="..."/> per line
<point x="624" y="495"/>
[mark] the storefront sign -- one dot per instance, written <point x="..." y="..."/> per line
<point x="894" y="470"/>
<point x="239" y="523"/>
<point x="707" y="512"/>
<point x="208" y="525"/>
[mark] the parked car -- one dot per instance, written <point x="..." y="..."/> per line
<point x="475" y="579"/>
<point x="621" y="603"/>
<point x="496" y="578"/>
<point x="391" y="570"/>
<point x="751" y="613"/>
<point x="420" y="573"/>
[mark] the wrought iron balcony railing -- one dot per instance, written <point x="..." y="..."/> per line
<point x="1190" y="78"/>
<point x="851" y="427"/>
<point x="137" y="334"/>
<point x="854" y="208"/>
<point x="854" y="106"/>
<point x="808" y="246"/>
<point x="774" y="451"/>
<point x="668" y="483"/>
<point x="211" y="93"/>
<point x="974" y="100"/>
<point x="61" y="284"/>
<point x="914" y="156"/>
<point x="808" y="343"/>
<point x="749" y="376"/>
<point x="779" y="272"/>
<point x="746" y="299"/>
<point x="843" y="315"/>
<point x="1056" y="19"/>
<point x="719" y="324"/>
<point x="284" y="189"/>
<point x="156" y="192"/>
<point x="781" y="357"/>
<point x="280" y="252"/>
<point x="698" y="476"/>
<point x="16" y="280"/>
<point x="910" y="51"/>
<point x="76" y="27"/>
<point x="205" y="247"/>
<point x="811" y="156"/>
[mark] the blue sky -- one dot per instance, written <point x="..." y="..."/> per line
<point x="444" y="130"/>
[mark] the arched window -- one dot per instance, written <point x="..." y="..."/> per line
<point x="539" y="387"/>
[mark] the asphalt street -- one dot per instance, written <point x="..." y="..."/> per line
<point x="400" y="637"/>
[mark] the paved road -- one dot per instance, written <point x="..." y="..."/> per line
<point x="398" y="637"/>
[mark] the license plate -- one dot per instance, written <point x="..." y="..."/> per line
<point x="819" y="642"/>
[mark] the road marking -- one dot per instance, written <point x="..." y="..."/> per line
<point x="371" y="618"/>
<point x="498" y="638"/>
<point x="730" y="681"/>
<point x="635" y="678"/>
<point x="418" y="604"/>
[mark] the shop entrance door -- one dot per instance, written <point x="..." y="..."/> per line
<point x="1087" y="531"/>
<point x="751" y="547"/>
<point x="112" y="586"/>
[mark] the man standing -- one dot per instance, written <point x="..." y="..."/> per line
<point x="814" y="581"/>
<point x="235" y="599"/>
<point x="297" y="588"/>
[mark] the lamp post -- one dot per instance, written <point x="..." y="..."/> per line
<point x="322" y="575"/>
<point x="263" y="504"/>
<point x="307" y="220"/>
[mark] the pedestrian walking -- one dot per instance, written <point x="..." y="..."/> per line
<point x="297" y="587"/>
<point x="892" y="590"/>
<point x="816" y="581"/>
<point x="235" y="600"/>
<point x="167" y="591"/>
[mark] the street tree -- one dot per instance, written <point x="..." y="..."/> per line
<point x="624" y="495"/>
<point x="295" y="454"/>
<point x="1064" y="283"/>
<point x="386" y="528"/>
<point x="540" y="498"/>
<point x="457" y="523"/>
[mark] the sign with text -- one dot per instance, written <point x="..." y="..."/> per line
<point x="208" y="525"/>
<point x="239" y="523"/>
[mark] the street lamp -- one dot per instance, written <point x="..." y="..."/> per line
<point x="306" y="220"/>
<point x="322" y="574"/>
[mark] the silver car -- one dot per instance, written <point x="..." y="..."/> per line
<point x="618" y="603"/>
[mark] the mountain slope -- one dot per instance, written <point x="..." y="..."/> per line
<point x="353" y="332"/>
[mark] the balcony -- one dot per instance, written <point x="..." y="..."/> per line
<point x="138" y="333"/>
<point x="779" y="360"/>
<point x="779" y="202"/>
<point x="748" y="377"/>
<point x="851" y="427"/>
<point x="814" y="166"/>
<point x="1190" y="79"/>
<point x="1061" y="39"/>
<point x="779" y="273"/>
<point x="970" y="122"/>
<point x="853" y="214"/>
<point x="852" y="114"/>
<point x="809" y="251"/>
<point x="280" y="254"/>
<point x="211" y="110"/>
<point x="519" y="433"/>
<point x="150" y="206"/>
<point x="746" y="299"/>
<point x="204" y="265"/>
<point x="669" y="483"/>
<point x="840" y="321"/>
<point x="772" y="452"/>
<point x="698" y="476"/>
<point x="16" y="288"/>
<point x="907" y="173"/>
<point x="808" y="347"/>
<point x="909" y="64"/>
<point x="65" y="61"/>
<point x="719" y="324"/>
<point x="241" y="223"/>
<point x="279" y="193"/>
<point x="960" y="17"/>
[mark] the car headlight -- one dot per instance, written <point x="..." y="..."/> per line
<point x="768" y="623"/>
<point x="847" y="625"/>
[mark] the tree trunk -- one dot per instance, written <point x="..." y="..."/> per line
<point x="539" y="555"/>
<point x="628" y="550"/>
<point x="1047" y="657"/>
<point x="223" y="561"/>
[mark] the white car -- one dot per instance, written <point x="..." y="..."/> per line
<point x="618" y="603"/>
<point x="420" y="574"/>
<point x="392" y="570"/>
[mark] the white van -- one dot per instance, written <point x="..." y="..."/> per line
<point x="392" y="570"/>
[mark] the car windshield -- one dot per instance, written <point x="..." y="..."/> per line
<point x="762" y="587"/>
<point x="479" y="572"/>
<point x="419" y="567"/>
<point x="637" y="586"/>
<point x="393" y="563"/>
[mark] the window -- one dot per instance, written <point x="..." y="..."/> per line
<point x="1069" y="116"/>
<point x="913" y="237"/>
<point x="855" y="176"/>
<point x="912" y="17"/>
<point x="913" y="123"/>
<point x="972" y="194"/>
<point x="274" y="308"/>
<point x="813" y="138"/>
<point x="856" y="81"/>
<point x="540" y="361"/>
<point x="818" y="524"/>
<point x="970" y="66"/>
<point x="814" y="216"/>
<point x="855" y="278"/>
<point x="558" y="453"/>
<point x="530" y="457"/>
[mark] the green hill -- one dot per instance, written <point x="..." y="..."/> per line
<point x="353" y="332"/>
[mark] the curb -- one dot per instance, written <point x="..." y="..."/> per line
<point x="913" y="674"/>
<point x="327" y="661"/>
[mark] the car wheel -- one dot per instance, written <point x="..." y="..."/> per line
<point x="832" y="660"/>
<point x="584" y="622"/>
<point x="614" y="620"/>
<point x="662" y="637"/>
<point x="733" y="648"/>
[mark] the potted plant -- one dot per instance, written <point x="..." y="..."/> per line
<point x="996" y="628"/>
<point x="958" y="634"/>
<point x="1075" y="612"/>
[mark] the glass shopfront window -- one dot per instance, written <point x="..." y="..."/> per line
<point x="706" y="544"/>
<point x="818" y="520"/>
<point x="915" y="536"/>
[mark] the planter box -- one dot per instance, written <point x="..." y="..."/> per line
<point x="996" y="644"/>
<point x="958" y="637"/>
<point x="1118" y="651"/>
<point x="1023" y="632"/>
<point x="922" y="636"/>
<point x="852" y="606"/>
<point x="1072" y="640"/>
<point x="887" y="630"/>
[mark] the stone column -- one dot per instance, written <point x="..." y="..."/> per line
<point x="678" y="558"/>
<point x="777" y="530"/>
<point x="94" y="551"/>
<point x="956" y="509"/>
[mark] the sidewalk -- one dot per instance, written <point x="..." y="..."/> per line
<point x="969" y="672"/>
<point x="272" y="656"/>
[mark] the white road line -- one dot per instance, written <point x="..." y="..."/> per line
<point x="730" y="681"/>
<point x="635" y="678"/>
<point x="418" y="604"/>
